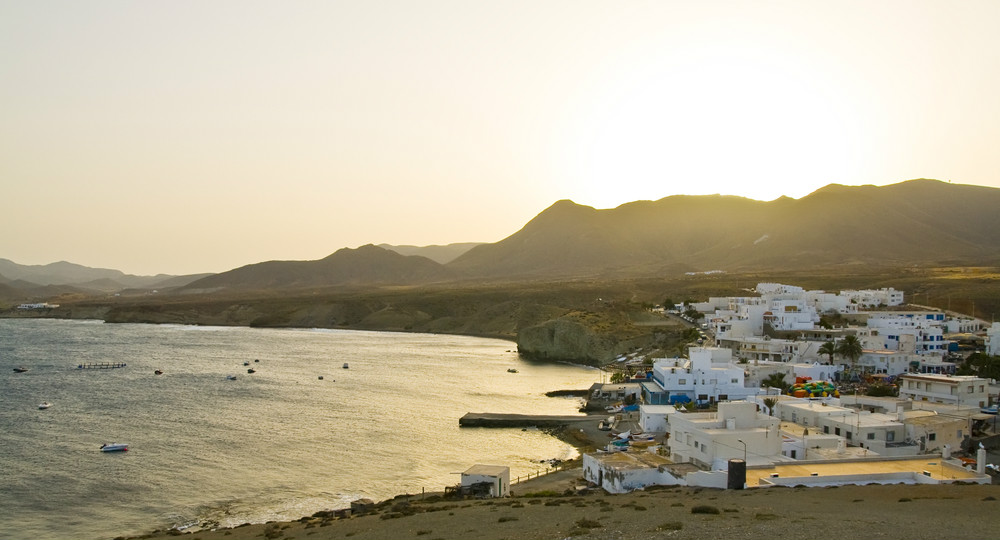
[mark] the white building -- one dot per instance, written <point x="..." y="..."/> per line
<point x="872" y="298"/>
<point x="736" y="431"/>
<point x="909" y="332"/>
<point x="960" y="390"/>
<point x="993" y="340"/>
<point x="622" y="472"/>
<point x="495" y="476"/>
<point x="883" y="434"/>
<point x="707" y="377"/>
<point x="655" y="418"/>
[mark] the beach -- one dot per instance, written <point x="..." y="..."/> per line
<point x="560" y="505"/>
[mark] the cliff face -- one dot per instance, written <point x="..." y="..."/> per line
<point x="566" y="340"/>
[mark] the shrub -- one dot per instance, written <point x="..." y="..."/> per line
<point x="704" y="509"/>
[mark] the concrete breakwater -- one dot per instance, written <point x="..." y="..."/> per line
<point x="502" y="420"/>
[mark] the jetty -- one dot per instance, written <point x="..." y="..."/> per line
<point x="102" y="365"/>
<point x="502" y="420"/>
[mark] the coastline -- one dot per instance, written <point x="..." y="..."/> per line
<point x="558" y="505"/>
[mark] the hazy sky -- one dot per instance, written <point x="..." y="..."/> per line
<point x="181" y="137"/>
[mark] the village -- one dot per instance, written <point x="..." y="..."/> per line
<point x="791" y="387"/>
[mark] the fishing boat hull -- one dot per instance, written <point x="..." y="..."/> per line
<point x="114" y="447"/>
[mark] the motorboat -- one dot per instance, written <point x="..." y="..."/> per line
<point x="22" y="369"/>
<point x="114" y="447"/>
<point x="158" y="372"/>
<point x="230" y="377"/>
<point x="511" y="370"/>
<point x="44" y="405"/>
<point x="345" y="365"/>
<point x="992" y="409"/>
<point x="251" y="370"/>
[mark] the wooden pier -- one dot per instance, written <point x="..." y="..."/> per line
<point x="102" y="365"/>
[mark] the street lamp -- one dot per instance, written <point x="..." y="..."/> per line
<point x="744" y="449"/>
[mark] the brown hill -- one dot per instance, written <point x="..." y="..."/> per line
<point x="915" y="222"/>
<point x="366" y="265"/>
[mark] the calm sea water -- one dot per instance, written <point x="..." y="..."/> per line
<point x="276" y="444"/>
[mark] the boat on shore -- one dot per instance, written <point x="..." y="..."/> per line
<point x="114" y="447"/>
<point x="345" y="365"/>
<point x="511" y="370"/>
<point x="230" y="377"/>
<point x="44" y="405"/>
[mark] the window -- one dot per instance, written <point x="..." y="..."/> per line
<point x="958" y="434"/>
<point x="890" y="436"/>
<point x="931" y="436"/>
<point x="848" y="435"/>
<point x="871" y="436"/>
<point x="682" y="381"/>
<point x="970" y="388"/>
<point x="734" y="381"/>
<point x="836" y="431"/>
<point x="826" y="429"/>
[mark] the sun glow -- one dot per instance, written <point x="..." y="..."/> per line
<point x="717" y="122"/>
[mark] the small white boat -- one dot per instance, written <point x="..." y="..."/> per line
<point x="230" y="377"/>
<point x="44" y="405"/>
<point x="114" y="447"/>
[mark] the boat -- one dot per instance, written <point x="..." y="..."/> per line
<point x="321" y="377"/>
<point x="114" y="447"/>
<point x="158" y="372"/>
<point x="251" y="370"/>
<point x="345" y="365"/>
<point x="44" y="405"/>
<point x="22" y="369"/>
<point x="992" y="409"/>
<point x="246" y="363"/>
<point x="511" y="370"/>
<point x="230" y="377"/>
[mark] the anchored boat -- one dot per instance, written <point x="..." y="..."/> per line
<point x="114" y="447"/>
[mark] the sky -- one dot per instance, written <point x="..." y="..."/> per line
<point x="182" y="137"/>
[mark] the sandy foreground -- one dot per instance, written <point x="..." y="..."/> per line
<point x="558" y="506"/>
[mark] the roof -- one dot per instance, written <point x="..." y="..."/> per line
<point x="487" y="470"/>
<point x="931" y="463"/>
<point x="640" y="460"/>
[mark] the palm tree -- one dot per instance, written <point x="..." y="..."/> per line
<point x="829" y="349"/>
<point x="850" y="348"/>
<point x="770" y="402"/>
<point x="775" y="380"/>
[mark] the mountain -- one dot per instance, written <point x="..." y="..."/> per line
<point x="439" y="254"/>
<point x="915" y="222"/>
<point x="366" y="265"/>
<point x="98" y="279"/>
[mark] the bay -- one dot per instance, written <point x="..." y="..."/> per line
<point x="277" y="444"/>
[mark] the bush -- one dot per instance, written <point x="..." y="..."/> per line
<point x="704" y="509"/>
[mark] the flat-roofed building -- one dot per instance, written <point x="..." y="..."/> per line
<point x="960" y="390"/>
<point x="736" y="431"/>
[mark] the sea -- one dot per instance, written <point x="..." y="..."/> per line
<point x="299" y="435"/>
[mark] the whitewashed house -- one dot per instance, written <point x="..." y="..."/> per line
<point x="495" y="478"/>
<point x="708" y="376"/>
<point x="736" y="431"/>
<point x="960" y="390"/>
